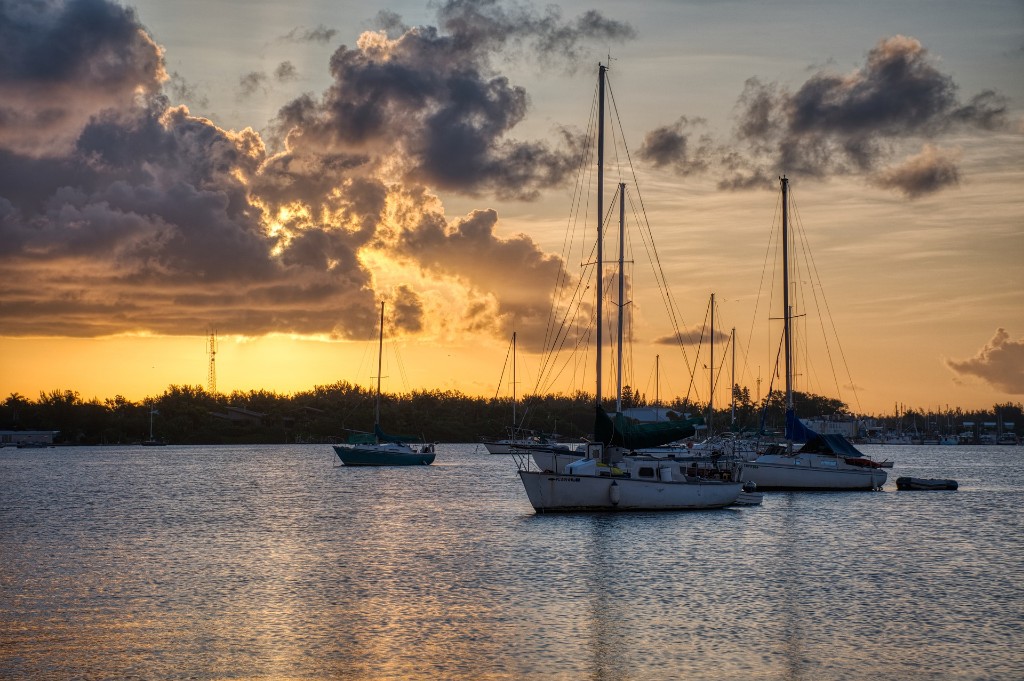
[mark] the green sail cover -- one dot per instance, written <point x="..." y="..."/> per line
<point x="386" y="437"/>
<point x="362" y="439"/>
<point x="620" y="431"/>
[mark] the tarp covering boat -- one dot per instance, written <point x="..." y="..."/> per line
<point x="796" y="431"/>
<point x="831" y="444"/>
<point x="398" y="439"/>
<point x="908" y="483"/>
<point x="620" y="431"/>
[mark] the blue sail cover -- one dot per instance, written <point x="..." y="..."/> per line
<point x="619" y="431"/>
<point x="796" y="431"/>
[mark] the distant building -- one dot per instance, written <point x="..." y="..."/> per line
<point x="239" y="414"/>
<point x="650" y="414"/>
<point x="13" y="438"/>
<point x="848" y="428"/>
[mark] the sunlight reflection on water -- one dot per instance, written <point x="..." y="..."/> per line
<point x="272" y="562"/>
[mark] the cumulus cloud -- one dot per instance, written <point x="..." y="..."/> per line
<point x="857" y="123"/>
<point x="674" y="146"/>
<point x="121" y="211"/>
<point x="1000" y="363"/>
<point x="429" y="103"/>
<point x="469" y="250"/>
<point x="851" y="123"/>
<point x="928" y="172"/>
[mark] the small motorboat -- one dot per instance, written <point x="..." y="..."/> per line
<point x="908" y="483"/>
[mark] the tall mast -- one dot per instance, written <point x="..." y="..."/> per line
<point x="787" y="313"/>
<point x="380" y="352"/>
<point x="711" y="371"/>
<point x="622" y="290"/>
<point x="601" y="68"/>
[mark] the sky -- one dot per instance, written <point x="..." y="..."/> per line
<point x="273" y="171"/>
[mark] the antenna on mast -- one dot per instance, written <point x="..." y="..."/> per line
<point x="211" y="374"/>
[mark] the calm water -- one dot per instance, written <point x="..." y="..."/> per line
<point x="273" y="562"/>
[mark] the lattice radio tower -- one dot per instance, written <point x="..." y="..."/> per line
<point x="211" y="375"/>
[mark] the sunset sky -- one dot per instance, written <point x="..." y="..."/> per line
<point x="273" y="170"/>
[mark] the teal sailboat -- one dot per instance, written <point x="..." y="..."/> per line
<point x="379" y="448"/>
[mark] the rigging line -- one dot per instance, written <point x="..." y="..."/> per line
<point x="501" y="379"/>
<point x="655" y="258"/>
<point x="561" y="278"/>
<point x="570" y="313"/>
<point x="835" y="332"/>
<point x="668" y="300"/>
<point x="700" y="343"/>
<point x="764" y="269"/>
<point x="805" y="247"/>
<point x="558" y="341"/>
<point x="662" y="286"/>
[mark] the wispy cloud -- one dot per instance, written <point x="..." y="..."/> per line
<point x="318" y="34"/>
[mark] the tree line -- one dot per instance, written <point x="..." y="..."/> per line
<point x="186" y="414"/>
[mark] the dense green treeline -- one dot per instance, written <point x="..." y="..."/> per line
<point x="191" y="415"/>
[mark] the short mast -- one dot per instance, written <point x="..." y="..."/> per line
<point x="732" y="388"/>
<point x="711" y="371"/>
<point x="380" y="352"/>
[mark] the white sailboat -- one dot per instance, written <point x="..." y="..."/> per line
<point x="608" y="479"/>
<point x="825" y="462"/>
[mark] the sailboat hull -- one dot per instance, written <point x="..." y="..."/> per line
<point x="798" y="474"/>
<point x="566" y="492"/>
<point x="384" y="455"/>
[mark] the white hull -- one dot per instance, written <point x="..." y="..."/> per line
<point x="812" y="472"/>
<point x="568" y="492"/>
<point x="551" y="460"/>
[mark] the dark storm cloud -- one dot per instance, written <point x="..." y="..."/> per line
<point x="1000" y="363"/>
<point x="673" y="146"/>
<point x="850" y="124"/>
<point x="431" y="98"/>
<point x="62" y="62"/>
<point x="137" y="216"/>
<point x="859" y="123"/>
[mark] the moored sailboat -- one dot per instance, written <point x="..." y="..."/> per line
<point x="823" y="462"/>
<point x="608" y="478"/>
<point x="381" y="449"/>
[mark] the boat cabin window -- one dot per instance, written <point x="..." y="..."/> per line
<point x="645" y="472"/>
